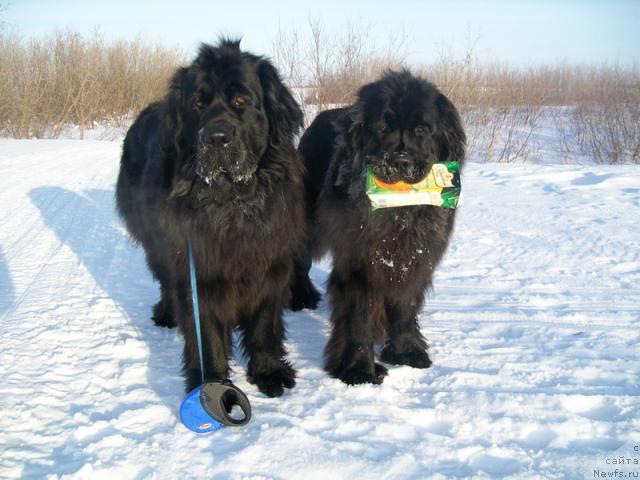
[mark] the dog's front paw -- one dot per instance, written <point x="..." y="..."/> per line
<point x="273" y="383"/>
<point x="414" y="357"/>
<point x="358" y="376"/>
<point x="381" y="371"/>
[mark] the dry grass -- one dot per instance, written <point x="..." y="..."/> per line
<point x="594" y="110"/>
<point x="65" y="79"/>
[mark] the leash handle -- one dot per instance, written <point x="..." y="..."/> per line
<point x="196" y="309"/>
<point x="218" y="398"/>
<point x="208" y="407"/>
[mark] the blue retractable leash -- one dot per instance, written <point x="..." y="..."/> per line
<point x="207" y="407"/>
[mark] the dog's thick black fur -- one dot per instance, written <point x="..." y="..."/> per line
<point x="383" y="260"/>
<point x="214" y="162"/>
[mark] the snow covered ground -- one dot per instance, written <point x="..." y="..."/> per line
<point x="533" y="325"/>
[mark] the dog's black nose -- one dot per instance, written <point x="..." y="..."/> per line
<point x="403" y="161"/>
<point x="217" y="136"/>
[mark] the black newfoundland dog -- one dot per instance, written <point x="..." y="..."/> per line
<point x="214" y="163"/>
<point x="383" y="260"/>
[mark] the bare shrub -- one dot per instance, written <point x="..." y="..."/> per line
<point x="595" y="109"/>
<point x="500" y="106"/>
<point x="286" y="55"/>
<point x="327" y="69"/>
<point x="65" y="79"/>
<point x="609" y="133"/>
<point x="590" y="112"/>
<point x="607" y="122"/>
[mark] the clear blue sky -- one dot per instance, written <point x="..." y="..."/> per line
<point x="518" y="32"/>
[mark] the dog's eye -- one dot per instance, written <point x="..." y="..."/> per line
<point x="239" y="101"/>
<point x="198" y="100"/>
<point x="382" y="129"/>
<point x="423" y="129"/>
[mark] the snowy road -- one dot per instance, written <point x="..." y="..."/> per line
<point x="533" y="325"/>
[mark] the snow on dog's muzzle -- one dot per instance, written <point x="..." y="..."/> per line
<point x="208" y="407"/>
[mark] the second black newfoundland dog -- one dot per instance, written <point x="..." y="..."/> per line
<point x="383" y="260"/>
<point x="214" y="163"/>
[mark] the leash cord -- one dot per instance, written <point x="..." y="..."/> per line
<point x="196" y="310"/>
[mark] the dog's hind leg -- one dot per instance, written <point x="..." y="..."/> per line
<point x="163" y="311"/>
<point x="303" y="292"/>
<point x="163" y="315"/>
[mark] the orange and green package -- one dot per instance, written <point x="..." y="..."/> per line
<point x="441" y="188"/>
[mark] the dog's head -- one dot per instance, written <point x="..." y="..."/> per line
<point x="225" y="111"/>
<point x="401" y="125"/>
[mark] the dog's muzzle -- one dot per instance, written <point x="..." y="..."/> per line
<point x="220" y="155"/>
<point x="399" y="166"/>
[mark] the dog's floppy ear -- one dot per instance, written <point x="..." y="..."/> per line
<point x="350" y="127"/>
<point x="177" y="105"/>
<point x="452" y="137"/>
<point x="354" y="126"/>
<point x="285" y="116"/>
<point x="176" y="102"/>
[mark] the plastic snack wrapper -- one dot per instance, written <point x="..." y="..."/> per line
<point x="441" y="188"/>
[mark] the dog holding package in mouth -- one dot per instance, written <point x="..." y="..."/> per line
<point x="214" y="164"/>
<point x="383" y="259"/>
